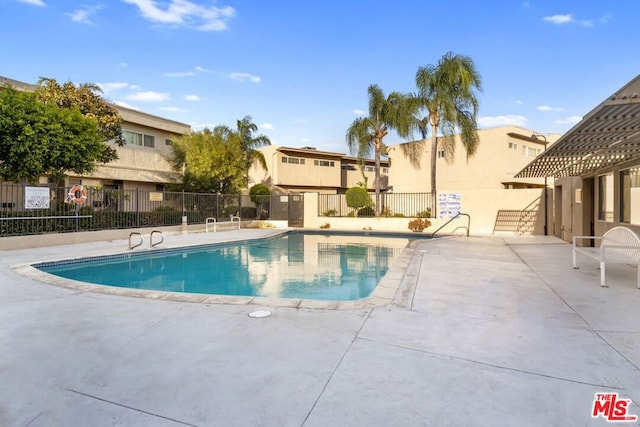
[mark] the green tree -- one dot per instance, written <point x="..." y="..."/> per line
<point x="249" y="142"/>
<point x="366" y="134"/>
<point x="259" y="195"/>
<point x="447" y="94"/>
<point x="358" y="198"/>
<point x="210" y="161"/>
<point x="86" y="97"/>
<point x="39" y="139"/>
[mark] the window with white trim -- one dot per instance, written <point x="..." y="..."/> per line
<point x="139" y="139"/>
<point x="327" y="163"/>
<point x="293" y="160"/>
<point x="441" y="154"/>
<point x="513" y="146"/>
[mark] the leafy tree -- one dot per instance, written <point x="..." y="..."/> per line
<point x="446" y="92"/>
<point x="86" y="97"/>
<point x="367" y="134"/>
<point x="210" y="161"/>
<point x="249" y="142"/>
<point x="358" y="198"/>
<point x="42" y="139"/>
<point x="259" y="195"/>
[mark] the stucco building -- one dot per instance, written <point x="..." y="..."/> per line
<point x="298" y="170"/>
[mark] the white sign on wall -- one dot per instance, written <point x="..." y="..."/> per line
<point x="449" y="205"/>
<point x="36" y="197"/>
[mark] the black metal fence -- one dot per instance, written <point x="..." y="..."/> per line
<point x="35" y="210"/>
<point x="391" y="205"/>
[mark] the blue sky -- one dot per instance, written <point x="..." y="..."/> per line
<point x="301" y="68"/>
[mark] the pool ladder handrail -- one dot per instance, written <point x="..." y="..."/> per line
<point x="233" y="217"/>
<point x="153" y="245"/>
<point x="458" y="215"/>
<point x="135" y="233"/>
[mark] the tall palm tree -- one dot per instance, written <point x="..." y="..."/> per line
<point x="446" y="92"/>
<point x="367" y="134"/>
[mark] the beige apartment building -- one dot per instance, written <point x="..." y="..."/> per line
<point x="501" y="153"/>
<point x="299" y="170"/>
<point x="143" y="161"/>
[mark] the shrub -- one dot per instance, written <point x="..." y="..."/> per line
<point x="424" y="214"/>
<point x="419" y="224"/>
<point x="330" y="212"/>
<point x="230" y="210"/>
<point x="357" y="198"/>
<point x="368" y="211"/>
<point x="398" y="215"/>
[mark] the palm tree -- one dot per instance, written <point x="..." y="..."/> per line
<point x="367" y="134"/>
<point x="446" y="92"/>
<point x="251" y="143"/>
<point x="248" y="142"/>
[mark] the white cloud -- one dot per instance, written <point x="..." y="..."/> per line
<point x="267" y="126"/>
<point x="186" y="13"/>
<point x="126" y="105"/>
<point x="33" y="2"/>
<point x="245" y="76"/>
<point x="123" y="64"/>
<point x="174" y="109"/>
<point x="558" y="19"/>
<point x="571" y="120"/>
<point x="149" y="96"/>
<point x="83" y="16"/>
<point x="548" y="108"/>
<point x="509" y="119"/>
<point x="191" y="98"/>
<point x="180" y="74"/>
<point x="190" y="73"/>
<point x="112" y="86"/>
<point x="359" y="112"/>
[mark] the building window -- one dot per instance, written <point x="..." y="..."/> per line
<point x="139" y="139"/>
<point x="385" y="170"/>
<point x="531" y="152"/>
<point x="149" y="141"/>
<point x="294" y="160"/>
<point x="605" y="197"/>
<point x="348" y="167"/>
<point x="168" y="142"/>
<point x="513" y="146"/>
<point x="630" y="196"/>
<point x="441" y="154"/>
<point x="326" y="163"/>
<point x="369" y="169"/>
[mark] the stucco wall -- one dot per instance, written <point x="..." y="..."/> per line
<point x="491" y="212"/>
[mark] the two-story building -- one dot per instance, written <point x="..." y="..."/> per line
<point x="299" y="170"/>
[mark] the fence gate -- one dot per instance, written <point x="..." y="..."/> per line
<point x="296" y="210"/>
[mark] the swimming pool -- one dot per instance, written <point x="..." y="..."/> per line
<point x="293" y="265"/>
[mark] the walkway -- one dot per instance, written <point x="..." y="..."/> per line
<point x="483" y="331"/>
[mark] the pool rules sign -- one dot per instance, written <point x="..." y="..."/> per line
<point x="449" y="205"/>
<point x="36" y="198"/>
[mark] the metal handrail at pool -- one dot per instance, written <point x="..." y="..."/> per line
<point x="214" y="221"/>
<point x="451" y="219"/>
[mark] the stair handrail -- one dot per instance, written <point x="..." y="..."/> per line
<point x="458" y="215"/>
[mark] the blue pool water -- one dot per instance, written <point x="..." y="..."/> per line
<point x="294" y="265"/>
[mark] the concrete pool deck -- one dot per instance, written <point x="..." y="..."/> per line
<point x="482" y="331"/>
